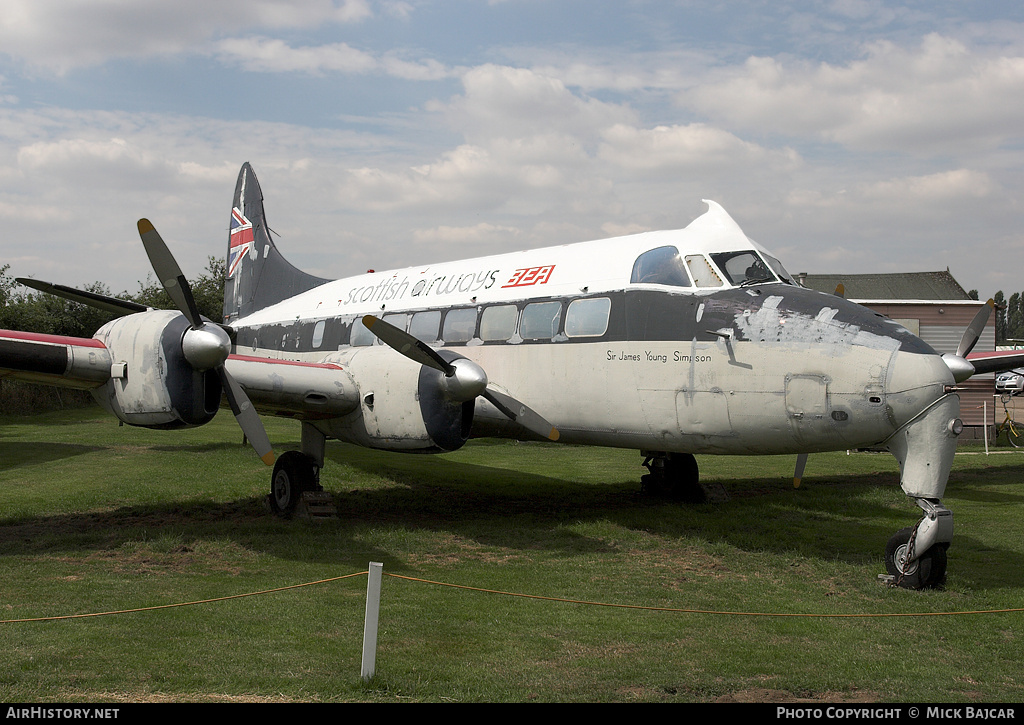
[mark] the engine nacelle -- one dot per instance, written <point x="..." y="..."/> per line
<point x="152" y="384"/>
<point x="403" y="406"/>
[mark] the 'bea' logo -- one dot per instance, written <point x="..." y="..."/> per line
<point x="530" y="275"/>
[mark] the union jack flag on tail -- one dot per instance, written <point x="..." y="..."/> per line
<point x="242" y="240"/>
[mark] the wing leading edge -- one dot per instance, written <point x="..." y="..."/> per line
<point x="72" y="362"/>
<point x="279" y="387"/>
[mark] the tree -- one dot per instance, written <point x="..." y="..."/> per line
<point x="1000" y="313"/>
<point x="24" y="309"/>
<point x="207" y="290"/>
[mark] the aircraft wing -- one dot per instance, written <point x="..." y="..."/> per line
<point x="305" y="390"/>
<point x="276" y="387"/>
<point x="996" y="362"/>
<point x="72" y="362"/>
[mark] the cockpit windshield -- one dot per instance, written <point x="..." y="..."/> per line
<point x="777" y="267"/>
<point x="660" y="266"/>
<point x="664" y="265"/>
<point x="743" y="268"/>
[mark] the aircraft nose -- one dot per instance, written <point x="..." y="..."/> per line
<point x="914" y="382"/>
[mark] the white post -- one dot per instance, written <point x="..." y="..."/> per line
<point x="370" y="623"/>
<point x="984" y="412"/>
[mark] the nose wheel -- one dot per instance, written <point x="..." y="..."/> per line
<point x="925" y="571"/>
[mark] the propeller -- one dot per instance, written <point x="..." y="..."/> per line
<point x="957" y="362"/>
<point x="463" y="379"/>
<point x="205" y="344"/>
<point x="798" y="474"/>
<point x="92" y="299"/>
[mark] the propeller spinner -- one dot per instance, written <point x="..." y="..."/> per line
<point x="205" y="345"/>
<point x="464" y="379"/>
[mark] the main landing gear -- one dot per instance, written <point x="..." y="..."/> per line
<point x="294" y="474"/>
<point x="676" y="476"/>
<point x="297" y="472"/>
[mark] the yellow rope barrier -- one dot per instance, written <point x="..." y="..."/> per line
<point x="522" y="596"/>
<point x="703" y="611"/>
<point x="181" y="604"/>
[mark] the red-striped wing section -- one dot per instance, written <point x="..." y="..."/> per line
<point x="995" y="362"/>
<point x="305" y="390"/>
<point x="73" y="362"/>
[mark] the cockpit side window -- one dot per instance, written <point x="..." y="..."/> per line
<point x="779" y="270"/>
<point x="703" y="273"/>
<point x="743" y="267"/>
<point x="660" y="266"/>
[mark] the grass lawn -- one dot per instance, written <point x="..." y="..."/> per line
<point x="770" y="596"/>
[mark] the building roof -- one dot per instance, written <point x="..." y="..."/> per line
<point x="894" y="286"/>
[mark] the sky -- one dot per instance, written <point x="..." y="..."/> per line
<point x="847" y="136"/>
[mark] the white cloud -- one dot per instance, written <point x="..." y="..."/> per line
<point x="474" y="237"/>
<point x="59" y="35"/>
<point x="939" y="96"/>
<point x="273" y="55"/>
<point x="691" y="147"/>
<point x="500" y="101"/>
<point x="940" y="188"/>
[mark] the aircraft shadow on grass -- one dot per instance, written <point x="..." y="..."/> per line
<point x="528" y="511"/>
<point x="20" y="453"/>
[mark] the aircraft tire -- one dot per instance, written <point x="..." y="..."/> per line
<point x="683" y="479"/>
<point x="928" y="571"/>
<point x="293" y="474"/>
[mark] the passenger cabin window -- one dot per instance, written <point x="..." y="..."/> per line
<point x="399" y="320"/>
<point x="587" y="318"/>
<point x="660" y="266"/>
<point x="424" y="325"/>
<point x="498" y="323"/>
<point x="459" y="325"/>
<point x="540" y="320"/>
<point x="318" y="333"/>
<point x="704" y="275"/>
<point x="743" y="267"/>
<point x="361" y="335"/>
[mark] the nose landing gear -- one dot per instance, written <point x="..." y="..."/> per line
<point x="915" y="557"/>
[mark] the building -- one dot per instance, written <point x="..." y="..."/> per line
<point x="934" y="307"/>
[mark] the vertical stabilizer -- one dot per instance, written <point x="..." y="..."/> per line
<point x="257" y="275"/>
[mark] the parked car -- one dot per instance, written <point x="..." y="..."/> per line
<point x="1012" y="381"/>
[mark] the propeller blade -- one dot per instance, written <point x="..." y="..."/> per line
<point x="92" y="299"/>
<point x="521" y="414"/>
<point x="974" y="330"/>
<point x="401" y="341"/>
<point x="840" y="290"/>
<point x="798" y="474"/>
<point x="169" y="273"/>
<point x="248" y="419"/>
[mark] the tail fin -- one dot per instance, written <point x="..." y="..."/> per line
<point x="257" y="276"/>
